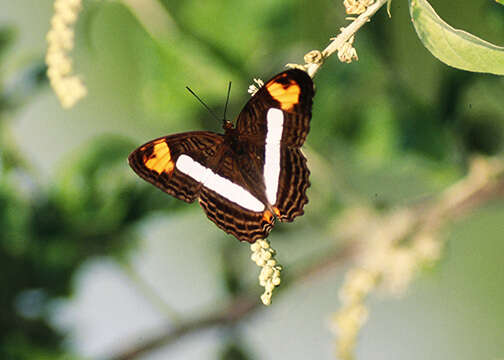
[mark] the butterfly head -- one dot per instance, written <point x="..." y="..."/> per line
<point x="227" y="125"/>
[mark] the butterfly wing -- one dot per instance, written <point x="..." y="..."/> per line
<point x="242" y="223"/>
<point x="202" y="165"/>
<point x="156" y="161"/>
<point x="276" y="121"/>
<point x="290" y="91"/>
<point x="293" y="182"/>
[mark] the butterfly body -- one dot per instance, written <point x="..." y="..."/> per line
<point x="251" y="174"/>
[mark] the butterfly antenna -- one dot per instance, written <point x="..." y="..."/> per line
<point x="202" y="103"/>
<point x="227" y="100"/>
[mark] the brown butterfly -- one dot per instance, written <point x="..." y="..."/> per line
<point x="251" y="174"/>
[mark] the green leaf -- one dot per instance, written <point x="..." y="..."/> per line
<point x="500" y="2"/>
<point x="454" y="47"/>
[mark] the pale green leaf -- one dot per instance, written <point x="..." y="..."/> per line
<point x="454" y="47"/>
<point x="500" y="1"/>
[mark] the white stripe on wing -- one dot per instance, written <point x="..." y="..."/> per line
<point x="219" y="184"/>
<point x="275" y="120"/>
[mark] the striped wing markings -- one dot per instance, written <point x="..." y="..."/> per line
<point x="219" y="184"/>
<point x="285" y="172"/>
<point x="245" y="225"/>
<point x="274" y="120"/>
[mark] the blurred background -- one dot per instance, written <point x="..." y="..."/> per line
<point x="95" y="262"/>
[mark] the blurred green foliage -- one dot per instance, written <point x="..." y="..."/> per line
<point x="392" y="127"/>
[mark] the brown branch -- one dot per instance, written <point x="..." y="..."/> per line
<point x="238" y="308"/>
<point x="484" y="182"/>
<point x="403" y="240"/>
<point x="345" y="35"/>
<point x="234" y="312"/>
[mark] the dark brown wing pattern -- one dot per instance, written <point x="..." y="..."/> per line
<point x="291" y="91"/>
<point x="155" y="161"/>
<point x="294" y="174"/>
<point x="244" y="224"/>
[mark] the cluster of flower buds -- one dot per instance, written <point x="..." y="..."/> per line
<point x="264" y="256"/>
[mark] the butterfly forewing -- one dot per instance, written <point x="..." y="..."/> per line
<point x="290" y="91"/>
<point x="156" y="161"/>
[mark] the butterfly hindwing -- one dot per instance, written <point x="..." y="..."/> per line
<point x="156" y="161"/>
<point x="293" y="182"/>
<point x="244" y="224"/>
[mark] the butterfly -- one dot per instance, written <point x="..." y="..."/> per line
<point x="249" y="176"/>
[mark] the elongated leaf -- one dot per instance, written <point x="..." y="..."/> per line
<point x="454" y="47"/>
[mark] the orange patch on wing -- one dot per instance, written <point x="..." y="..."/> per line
<point x="160" y="160"/>
<point x="268" y="216"/>
<point x="277" y="212"/>
<point x="287" y="94"/>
